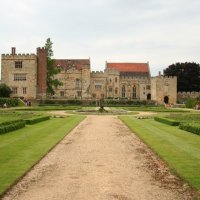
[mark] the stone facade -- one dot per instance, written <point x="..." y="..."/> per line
<point x="26" y="74"/>
<point x="19" y="72"/>
<point x="164" y="89"/>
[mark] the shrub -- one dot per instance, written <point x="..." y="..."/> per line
<point x="5" y="91"/>
<point x="36" y="119"/>
<point x="190" y="127"/>
<point x="170" y="122"/>
<point x="11" y="102"/>
<point x="8" y="126"/>
<point x="190" y="103"/>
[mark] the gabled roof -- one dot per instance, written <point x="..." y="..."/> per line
<point x="67" y="63"/>
<point x="130" y="67"/>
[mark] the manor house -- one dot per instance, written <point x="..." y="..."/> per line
<point x="26" y="74"/>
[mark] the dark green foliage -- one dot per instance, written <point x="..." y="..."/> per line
<point x="36" y="119"/>
<point x="5" y="91"/>
<point x="170" y="122"/>
<point x="51" y="69"/>
<point x="11" y="102"/>
<point x="11" y="126"/>
<point x="188" y="76"/>
<point x="190" y="127"/>
<point x="190" y="103"/>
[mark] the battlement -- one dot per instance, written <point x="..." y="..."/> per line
<point x="97" y="72"/>
<point x="164" y="77"/>
<point x="18" y="56"/>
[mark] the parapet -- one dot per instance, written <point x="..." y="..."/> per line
<point x="18" y="56"/>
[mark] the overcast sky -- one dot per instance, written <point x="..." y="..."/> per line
<point x="160" y="32"/>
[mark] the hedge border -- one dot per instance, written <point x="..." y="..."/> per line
<point x="167" y="121"/>
<point x="36" y="119"/>
<point x="193" y="128"/>
<point x="6" y="128"/>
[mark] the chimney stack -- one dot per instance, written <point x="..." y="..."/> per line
<point x="13" y="50"/>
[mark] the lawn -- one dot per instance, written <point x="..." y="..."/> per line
<point x="180" y="149"/>
<point x="21" y="149"/>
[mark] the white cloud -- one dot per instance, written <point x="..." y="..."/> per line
<point x="157" y="31"/>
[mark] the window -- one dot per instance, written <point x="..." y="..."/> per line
<point x="110" y="89"/>
<point x="19" y="77"/>
<point x="116" y="80"/>
<point x="79" y="93"/>
<point x="62" y="94"/>
<point x="78" y="83"/>
<point x="148" y="87"/>
<point x="123" y="91"/>
<point x="134" y="92"/>
<point x="18" y="64"/>
<point x="98" y="87"/>
<point x="14" y="90"/>
<point x="24" y="90"/>
<point x="94" y="95"/>
<point x="116" y="90"/>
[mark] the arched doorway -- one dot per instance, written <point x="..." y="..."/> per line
<point x="166" y="99"/>
<point x="148" y="96"/>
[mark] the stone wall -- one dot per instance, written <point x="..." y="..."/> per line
<point x="183" y="96"/>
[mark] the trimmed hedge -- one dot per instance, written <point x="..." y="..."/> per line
<point x="36" y="119"/>
<point x="193" y="128"/>
<point x="11" y="102"/>
<point x="170" y="122"/>
<point x="11" y="126"/>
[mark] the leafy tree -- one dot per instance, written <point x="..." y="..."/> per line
<point x="51" y="69"/>
<point x="188" y="76"/>
<point x="5" y="91"/>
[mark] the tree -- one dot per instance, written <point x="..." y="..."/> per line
<point x="188" y="76"/>
<point x="51" y="69"/>
<point x="5" y="91"/>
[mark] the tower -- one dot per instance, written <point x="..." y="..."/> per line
<point x="41" y="72"/>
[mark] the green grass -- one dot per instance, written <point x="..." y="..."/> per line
<point x="21" y="149"/>
<point x="180" y="149"/>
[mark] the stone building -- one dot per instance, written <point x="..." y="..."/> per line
<point x="26" y="74"/>
<point x="164" y="89"/>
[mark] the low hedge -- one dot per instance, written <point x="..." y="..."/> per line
<point x="193" y="128"/>
<point x="170" y="122"/>
<point x="10" y="122"/>
<point x="36" y="119"/>
<point x="11" y="126"/>
<point x="11" y="102"/>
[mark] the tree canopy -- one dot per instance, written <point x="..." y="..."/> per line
<point x="5" y="91"/>
<point x="188" y="76"/>
<point x="51" y="69"/>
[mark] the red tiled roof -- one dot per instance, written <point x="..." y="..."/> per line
<point x="130" y="67"/>
<point x="66" y="63"/>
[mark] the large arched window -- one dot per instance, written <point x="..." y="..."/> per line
<point x="134" y="92"/>
<point x="123" y="91"/>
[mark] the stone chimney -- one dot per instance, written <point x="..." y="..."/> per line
<point x="13" y="50"/>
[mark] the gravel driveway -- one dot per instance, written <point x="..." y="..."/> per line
<point x="99" y="159"/>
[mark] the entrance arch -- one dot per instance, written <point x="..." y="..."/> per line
<point x="166" y="99"/>
<point x="148" y="96"/>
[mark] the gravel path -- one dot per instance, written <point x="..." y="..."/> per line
<point x="99" y="159"/>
